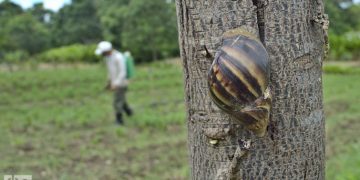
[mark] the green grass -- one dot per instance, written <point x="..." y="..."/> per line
<point x="342" y="108"/>
<point x="58" y="124"/>
<point x="340" y="68"/>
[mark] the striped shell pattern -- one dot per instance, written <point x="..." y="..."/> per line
<point x="239" y="75"/>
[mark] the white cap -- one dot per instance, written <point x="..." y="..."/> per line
<point x="102" y="47"/>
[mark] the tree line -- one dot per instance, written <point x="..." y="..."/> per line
<point x="146" y="28"/>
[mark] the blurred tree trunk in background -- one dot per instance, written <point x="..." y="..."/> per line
<point x="294" y="34"/>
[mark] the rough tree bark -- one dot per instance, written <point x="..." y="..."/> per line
<point x="294" y="34"/>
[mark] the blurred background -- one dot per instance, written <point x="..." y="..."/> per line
<point x="56" y="121"/>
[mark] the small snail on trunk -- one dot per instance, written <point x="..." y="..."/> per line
<point x="238" y="80"/>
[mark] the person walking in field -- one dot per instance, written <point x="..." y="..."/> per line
<point x="117" y="78"/>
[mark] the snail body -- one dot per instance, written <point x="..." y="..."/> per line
<point x="238" y="80"/>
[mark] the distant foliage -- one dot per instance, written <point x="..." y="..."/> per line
<point x="16" y="56"/>
<point x="157" y="38"/>
<point x="8" y="9"/>
<point x="76" y="23"/>
<point x="23" y="33"/>
<point x="341" y="14"/>
<point x="69" y="54"/>
<point x="146" y="28"/>
<point x="338" y="69"/>
<point x="345" y="47"/>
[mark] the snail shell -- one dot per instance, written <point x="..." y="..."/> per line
<point x="238" y="80"/>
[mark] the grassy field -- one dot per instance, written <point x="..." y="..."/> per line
<point x="58" y="124"/>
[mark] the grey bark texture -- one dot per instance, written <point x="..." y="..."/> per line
<point x="294" y="34"/>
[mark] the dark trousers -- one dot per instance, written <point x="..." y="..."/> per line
<point x="119" y="99"/>
<point x="120" y="104"/>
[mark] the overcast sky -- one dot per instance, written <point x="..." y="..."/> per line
<point x="48" y="4"/>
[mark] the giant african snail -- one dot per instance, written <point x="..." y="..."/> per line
<point x="238" y="80"/>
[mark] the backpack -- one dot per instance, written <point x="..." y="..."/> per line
<point x="130" y="67"/>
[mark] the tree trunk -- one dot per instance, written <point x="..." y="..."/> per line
<point x="294" y="34"/>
